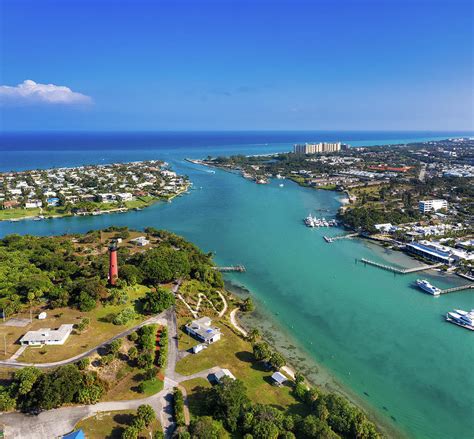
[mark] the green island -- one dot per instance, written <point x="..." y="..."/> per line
<point x="87" y="190"/>
<point x="159" y="338"/>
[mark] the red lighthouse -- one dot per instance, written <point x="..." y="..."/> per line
<point x="113" y="265"/>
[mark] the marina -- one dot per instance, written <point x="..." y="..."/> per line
<point x="312" y="221"/>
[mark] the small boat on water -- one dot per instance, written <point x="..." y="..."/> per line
<point x="281" y="185"/>
<point x="461" y="318"/>
<point x="424" y="285"/>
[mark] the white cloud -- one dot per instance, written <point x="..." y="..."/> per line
<point x="30" y="92"/>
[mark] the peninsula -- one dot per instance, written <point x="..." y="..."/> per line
<point x="87" y="190"/>
<point x="153" y="351"/>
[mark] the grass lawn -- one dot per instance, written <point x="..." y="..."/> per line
<point x="141" y="202"/>
<point x="194" y="390"/>
<point x="127" y="387"/>
<point x="100" y="329"/>
<point x="7" y="214"/>
<point x="110" y="425"/>
<point x="234" y="353"/>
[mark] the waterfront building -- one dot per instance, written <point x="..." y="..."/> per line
<point x="435" y="251"/>
<point x="426" y="206"/>
<point x="316" y="148"/>
<point x="46" y="336"/>
<point x="203" y="331"/>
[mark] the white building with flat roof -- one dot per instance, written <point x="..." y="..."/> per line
<point x="426" y="206"/>
<point x="46" y="336"/>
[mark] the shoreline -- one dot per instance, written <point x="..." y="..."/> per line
<point x="314" y="372"/>
<point x="99" y="212"/>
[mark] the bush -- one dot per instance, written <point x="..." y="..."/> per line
<point x="146" y="413"/>
<point x="178" y="407"/>
<point x="124" y="316"/>
<point x="83" y="363"/>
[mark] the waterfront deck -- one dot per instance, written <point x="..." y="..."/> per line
<point x="398" y="270"/>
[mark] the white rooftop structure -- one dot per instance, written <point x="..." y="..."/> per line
<point x="223" y="373"/>
<point x="279" y="378"/>
<point x="46" y="336"/>
<point x="202" y="330"/>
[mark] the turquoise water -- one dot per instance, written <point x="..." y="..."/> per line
<point x="378" y="336"/>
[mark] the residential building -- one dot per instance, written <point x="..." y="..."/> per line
<point x="203" y="331"/>
<point x="32" y="204"/>
<point x="315" y="148"/>
<point x="426" y="206"/>
<point x="141" y="241"/>
<point x="46" y="336"/>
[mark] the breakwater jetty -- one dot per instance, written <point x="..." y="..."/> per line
<point x="398" y="270"/>
<point x="234" y="268"/>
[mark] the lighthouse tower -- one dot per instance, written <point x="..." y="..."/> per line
<point x="113" y="265"/>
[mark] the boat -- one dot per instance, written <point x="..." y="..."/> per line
<point x="427" y="287"/>
<point x="310" y="221"/>
<point x="461" y="318"/>
<point x="281" y="185"/>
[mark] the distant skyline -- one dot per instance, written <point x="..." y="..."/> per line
<point x="236" y="65"/>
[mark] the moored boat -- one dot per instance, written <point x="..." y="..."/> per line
<point x="461" y="318"/>
<point x="427" y="287"/>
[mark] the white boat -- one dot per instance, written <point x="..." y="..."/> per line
<point x="281" y="185"/>
<point x="427" y="287"/>
<point x="461" y="318"/>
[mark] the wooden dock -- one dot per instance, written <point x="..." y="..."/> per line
<point x="459" y="288"/>
<point x="232" y="268"/>
<point x="399" y="270"/>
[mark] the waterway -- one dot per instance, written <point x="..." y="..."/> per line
<point x="366" y="330"/>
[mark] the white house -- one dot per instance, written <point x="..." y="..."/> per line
<point x="32" y="204"/>
<point x="125" y="196"/>
<point x="46" y="336"/>
<point x="141" y="241"/>
<point x="202" y="330"/>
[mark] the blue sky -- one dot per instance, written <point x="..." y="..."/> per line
<point x="201" y="64"/>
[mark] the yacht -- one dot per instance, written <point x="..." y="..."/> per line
<point x="461" y="318"/>
<point x="427" y="287"/>
<point x="311" y="221"/>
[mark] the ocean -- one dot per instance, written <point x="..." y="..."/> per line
<point x="364" y="331"/>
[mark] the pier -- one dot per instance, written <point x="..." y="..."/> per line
<point x="400" y="270"/>
<point x="458" y="288"/>
<point x="329" y="239"/>
<point x="232" y="268"/>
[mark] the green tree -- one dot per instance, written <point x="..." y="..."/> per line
<point x="277" y="360"/>
<point x="158" y="301"/>
<point x="205" y="427"/>
<point x="261" y="351"/>
<point x="131" y="432"/>
<point x="228" y="401"/>
<point x="146" y="413"/>
<point x="24" y="379"/>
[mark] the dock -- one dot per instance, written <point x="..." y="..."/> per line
<point x="329" y="239"/>
<point x="232" y="268"/>
<point x="458" y="288"/>
<point x="400" y="270"/>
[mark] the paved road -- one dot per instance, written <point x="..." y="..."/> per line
<point x="54" y="423"/>
<point x="16" y="364"/>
